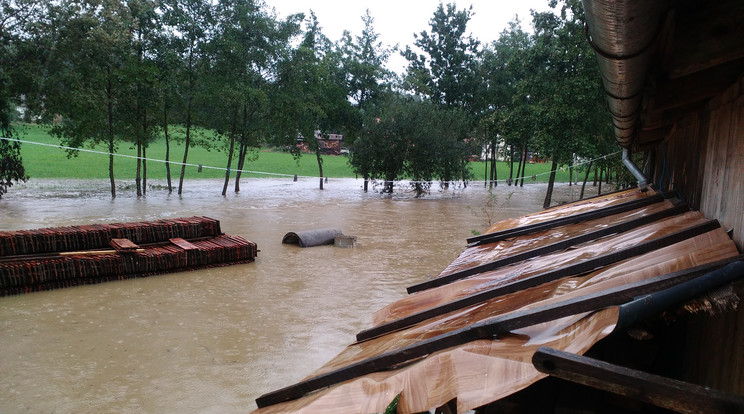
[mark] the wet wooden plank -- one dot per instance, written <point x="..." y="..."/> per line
<point x="662" y="392"/>
<point x="579" y="267"/>
<point x="577" y="218"/>
<point x="573" y="241"/>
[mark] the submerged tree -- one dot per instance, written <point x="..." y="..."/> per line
<point x="312" y="99"/>
<point x="447" y="74"/>
<point x="12" y="26"/>
<point x="245" y="49"/>
<point x="409" y="138"/>
<point x="141" y="73"/>
<point x="563" y="86"/>
<point x="505" y="116"/>
<point x="367" y="81"/>
<point x="87" y="88"/>
<point x="191" y="20"/>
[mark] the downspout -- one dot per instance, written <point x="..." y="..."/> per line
<point x="637" y="173"/>
<point x="624" y="34"/>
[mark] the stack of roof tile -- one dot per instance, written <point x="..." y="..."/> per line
<point x="52" y="258"/>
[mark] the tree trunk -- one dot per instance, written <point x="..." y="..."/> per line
<point x="189" y="103"/>
<point x="519" y="168"/>
<point x="511" y="164"/>
<point x="599" y="190"/>
<point x="549" y="194"/>
<point x="494" y="172"/>
<point x="366" y="183"/>
<point x="388" y="187"/>
<point x="167" y="148"/>
<point x="186" y="143"/>
<point x="138" y="176"/>
<point x="524" y="166"/>
<point x="586" y="177"/>
<point x="570" y="173"/>
<point x="144" y="152"/>
<point x="595" y="176"/>
<point x="320" y="166"/>
<point x="110" y="113"/>
<point x="485" y="171"/>
<point x="139" y="133"/>
<point x="138" y="140"/>
<point x="231" y="150"/>
<point x="243" y="147"/>
<point x="241" y="163"/>
<point x="144" y="169"/>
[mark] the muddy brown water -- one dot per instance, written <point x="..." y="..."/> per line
<point x="211" y="341"/>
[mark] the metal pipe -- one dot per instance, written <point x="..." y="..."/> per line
<point x="623" y="34"/>
<point x="654" y="303"/>
<point x="637" y="173"/>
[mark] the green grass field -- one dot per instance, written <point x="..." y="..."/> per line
<point x="52" y="162"/>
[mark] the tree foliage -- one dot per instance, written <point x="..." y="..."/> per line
<point x="411" y="138"/>
<point x="446" y="69"/>
<point x="16" y="18"/>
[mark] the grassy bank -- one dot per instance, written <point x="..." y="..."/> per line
<point x="51" y="162"/>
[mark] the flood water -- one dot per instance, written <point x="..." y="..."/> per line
<point x="211" y="341"/>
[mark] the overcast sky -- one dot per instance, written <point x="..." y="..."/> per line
<point x="397" y="20"/>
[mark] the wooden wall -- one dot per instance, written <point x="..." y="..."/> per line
<point x="723" y="185"/>
<point x="705" y="165"/>
<point x="702" y="159"/>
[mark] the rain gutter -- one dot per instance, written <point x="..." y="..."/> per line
<point x="623" y="34"/>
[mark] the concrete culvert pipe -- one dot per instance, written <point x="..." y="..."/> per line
<point x="310" y="238"/>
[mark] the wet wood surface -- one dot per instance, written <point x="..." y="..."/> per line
<point x="681" y="397"/>
<point x="563" y="221"/>
<point x="562" y="245"/>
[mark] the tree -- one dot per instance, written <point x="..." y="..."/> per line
<point x="191" y="20"/>
<point x="168" y="62"/>
<point x="446" y="72"/>
<point x="86" y="86"/>
<point x="245" y="51"/>
<point x="505" y="117"/>
<point x="312" y="98"/>
<point x="364" y="59"/>
<point x="563" y="86"/>
<point x="381" y="149"/>
<point x="16" y="15"/>
<point x="141" y="72"/>
<point x="367" y="80"/>
<point x="413" y="138"/>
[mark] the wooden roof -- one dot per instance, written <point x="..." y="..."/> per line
<point x="471" y="336"/>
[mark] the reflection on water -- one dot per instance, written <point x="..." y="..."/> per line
<point x="214" y="340"/>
